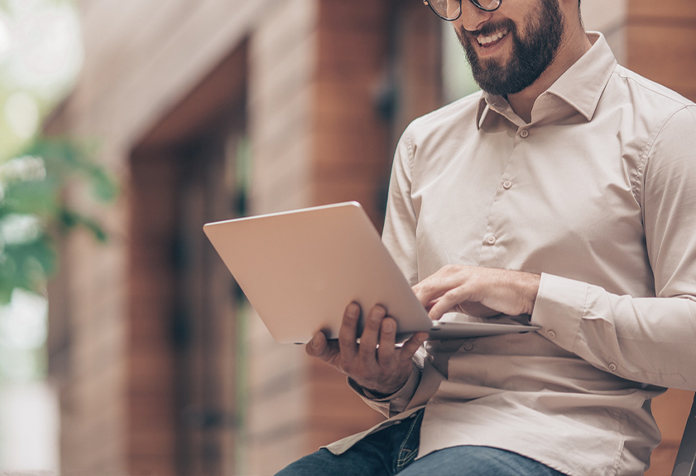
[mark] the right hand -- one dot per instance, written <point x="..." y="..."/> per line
<point x="376" y="363"/>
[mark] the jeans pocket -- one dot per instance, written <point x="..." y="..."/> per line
<point x="409" y="446"/>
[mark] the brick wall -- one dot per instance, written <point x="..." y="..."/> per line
<point x="661" y="39"/>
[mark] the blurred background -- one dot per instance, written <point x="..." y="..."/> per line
<point x="125" y="346"/>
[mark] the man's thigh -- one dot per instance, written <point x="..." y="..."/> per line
<point x="324" y="463"/>
<point x="384" y="452"/>
<point x="476" y="461"/>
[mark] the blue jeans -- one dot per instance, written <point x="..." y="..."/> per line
<point x="392" y="451"/>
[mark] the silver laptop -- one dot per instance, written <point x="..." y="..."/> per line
<point x="300" y="269"/>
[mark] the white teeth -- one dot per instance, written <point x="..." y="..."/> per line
<point x="485" y="40"/>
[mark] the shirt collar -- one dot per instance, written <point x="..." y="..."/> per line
<point x="581" y="86"/>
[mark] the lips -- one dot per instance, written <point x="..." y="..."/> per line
<point x="490" y="40"/>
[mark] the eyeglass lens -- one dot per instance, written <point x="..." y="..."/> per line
<point x="451" y="9"/>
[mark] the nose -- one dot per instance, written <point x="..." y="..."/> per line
<point x="472" y="17"/>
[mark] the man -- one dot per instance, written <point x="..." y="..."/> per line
<point x="566" y="191"/>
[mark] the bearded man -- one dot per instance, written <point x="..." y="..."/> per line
<point x="565" y="192"/>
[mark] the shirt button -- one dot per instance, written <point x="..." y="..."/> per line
<point x="468" y="346"/>
<point x="524" y="133"/>
<point x="613" y="367"/>
<point x="551" y="333"/>
<point x="507" y="184"/>
<point x="490" y="240"/>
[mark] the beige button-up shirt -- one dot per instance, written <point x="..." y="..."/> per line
<point x="598" y="194"/>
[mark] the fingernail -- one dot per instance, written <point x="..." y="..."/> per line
<point x="353" y="311"/>
<point x="378" y="313"/>
<point x="389" y="326"/>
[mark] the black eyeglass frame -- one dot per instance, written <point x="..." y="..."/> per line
<point x="474" y="2"/>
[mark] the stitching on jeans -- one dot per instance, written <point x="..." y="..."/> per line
<point x="407" y="455"/>
<point x="404" y="453"/>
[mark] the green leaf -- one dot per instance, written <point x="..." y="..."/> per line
<point x="28" y="265"/>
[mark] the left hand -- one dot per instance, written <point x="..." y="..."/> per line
<point x="376" y="363"/>
<point x="480" y="292"/>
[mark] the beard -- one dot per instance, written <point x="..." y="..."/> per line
<point x="530" y="57"/>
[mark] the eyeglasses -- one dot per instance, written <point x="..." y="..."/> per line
<point x="450" y="10"/>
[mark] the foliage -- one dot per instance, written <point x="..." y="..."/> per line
<point x="33" y="214"/>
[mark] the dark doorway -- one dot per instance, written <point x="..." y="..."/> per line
<point x="183" y="342"/>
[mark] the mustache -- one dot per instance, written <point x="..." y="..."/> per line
<point x="490" y="28"/>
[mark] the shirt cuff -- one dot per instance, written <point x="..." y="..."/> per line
<point x="397" y="400"/>
<point x="559" y="308"/>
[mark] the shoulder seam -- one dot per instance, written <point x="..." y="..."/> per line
<point x="638" y="181"/>
<point x="647" y="83"/>
<point x="411" y="154"/>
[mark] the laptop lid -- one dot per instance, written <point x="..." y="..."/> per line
<point x="300" y="269"/>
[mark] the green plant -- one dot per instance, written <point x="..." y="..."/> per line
<point x="33" y="213"/>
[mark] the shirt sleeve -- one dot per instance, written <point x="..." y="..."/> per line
<point x="399" y="235"/>
<point x="395" y="403"/>
<point x="646" y="339"/>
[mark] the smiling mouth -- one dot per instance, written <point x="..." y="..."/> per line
<point x="490" y="40"/>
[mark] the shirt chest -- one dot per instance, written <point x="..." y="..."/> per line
<point x="539" y="199"/>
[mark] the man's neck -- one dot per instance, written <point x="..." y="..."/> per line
<point x="573" y="46"/>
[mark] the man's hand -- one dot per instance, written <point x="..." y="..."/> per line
<point x="480" y="292"/>
<point x="376" y="363"/>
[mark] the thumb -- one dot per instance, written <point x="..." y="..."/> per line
<point x="318" y="347"/>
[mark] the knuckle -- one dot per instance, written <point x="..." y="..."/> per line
<point x="347" y="326"/>
<point x="344" y="367"/>
<point x="450" y="269"/>
<point x="374" y="322"/>
<point x="388" y="326"/>
<point x="345" y="340"/>
<point x="451" y="295"/>
<point x="426" y="287"/>
<point x="366" y="358"/>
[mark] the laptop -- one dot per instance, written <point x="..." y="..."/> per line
<point x="300" y="269"/>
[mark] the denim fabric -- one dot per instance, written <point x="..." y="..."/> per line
<point x="392" y="451"/>
<point x="476" y="461"/>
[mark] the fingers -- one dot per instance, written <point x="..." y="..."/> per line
<point x="431" y="289"/>
<point x="387" y="341"/>
<point x="370" y="334"/>
<point x="376" y="363"/>
<point x="448" y="302"/>
<point x="412" y="345"/>
<point x="447" y="288"/>
<point x="347" y="334"/>
<point x="481" y="291"/>
<point x="320" y="347"/>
